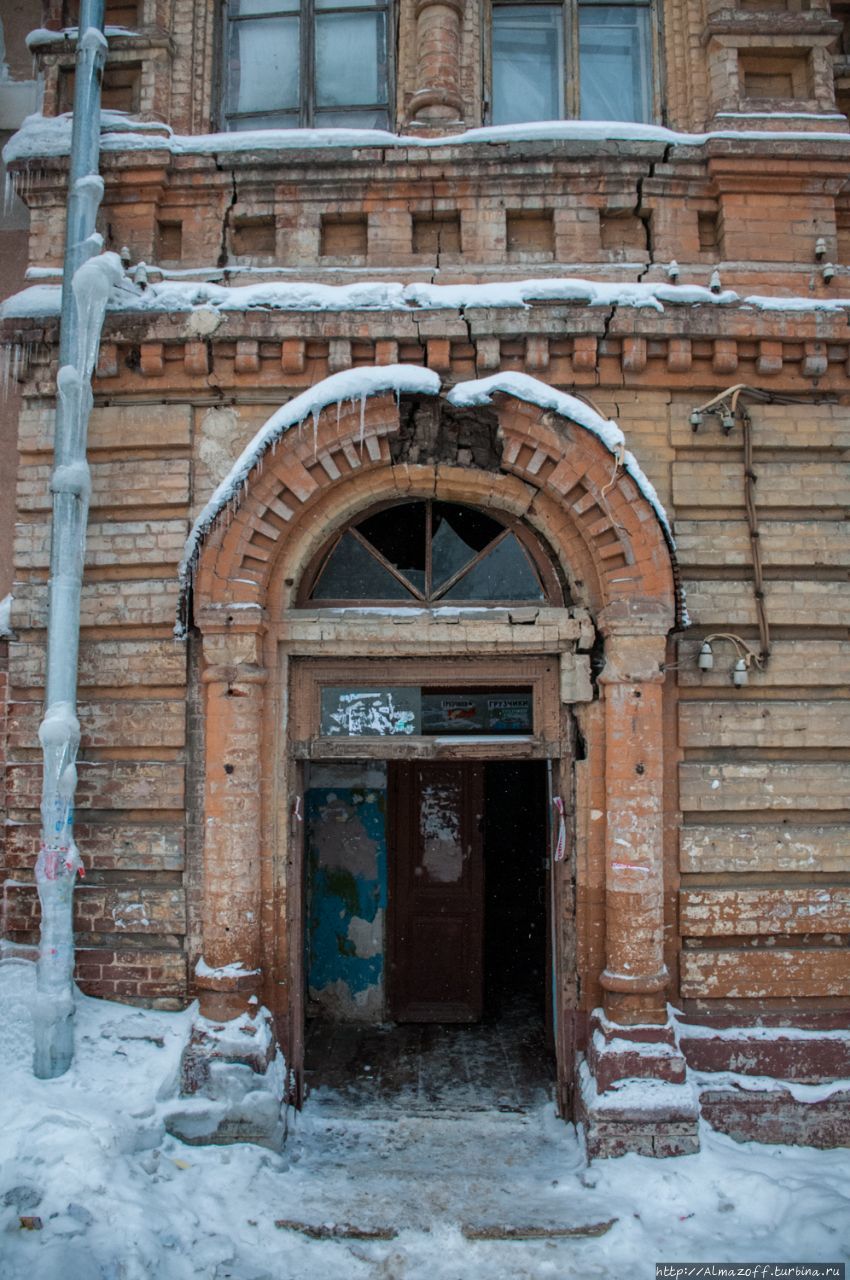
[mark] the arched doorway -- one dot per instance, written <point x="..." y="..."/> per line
<point x="428" y="887"/>
<point x="540" y="465"/>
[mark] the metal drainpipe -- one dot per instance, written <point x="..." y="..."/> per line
<point x="59" y="733"/>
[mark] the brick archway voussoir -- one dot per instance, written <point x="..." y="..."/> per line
<point x="601" y="526"/>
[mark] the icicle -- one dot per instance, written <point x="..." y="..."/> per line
<point x="8" y="192"/>
<point x="92" y="284"/>
<point x="362" y="421"/>
<point x="314" y="413"/>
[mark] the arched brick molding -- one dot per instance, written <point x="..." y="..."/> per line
<point x="594" y="516"/>
<point x="608" y="537"/>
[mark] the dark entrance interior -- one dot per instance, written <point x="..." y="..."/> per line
<point x="492" y="1050"/>
<point x="516" y="951"/>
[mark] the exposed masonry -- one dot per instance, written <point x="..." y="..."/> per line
<point x="435" y="432"/>
<point x="545" y="251"/>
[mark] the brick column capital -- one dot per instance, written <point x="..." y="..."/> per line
<point x="456" y="5"/>
<point x="636" y="616"/>
<point x="634" y="659"/>
<point x="232" y="649"/>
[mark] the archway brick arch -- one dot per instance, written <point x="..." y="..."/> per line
<point x="603" y="529"/>
<point x="600" y="522"/>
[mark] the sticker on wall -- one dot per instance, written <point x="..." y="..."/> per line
<point x="370" y="713"/>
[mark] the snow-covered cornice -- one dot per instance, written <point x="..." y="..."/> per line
<point x="40" y="137"/>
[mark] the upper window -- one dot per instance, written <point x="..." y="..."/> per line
<point x="312" y="63"/>
<point x="579" y="58"/>
<point x="431" y="553"/>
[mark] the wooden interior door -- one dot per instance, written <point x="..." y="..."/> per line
<point x="436" y="901"/>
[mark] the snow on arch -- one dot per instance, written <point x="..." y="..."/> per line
<point x="533" y="391"/>
<point x="358" y="384"/>
<point x="350" y="384"/>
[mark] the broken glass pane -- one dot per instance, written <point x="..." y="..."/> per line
<point x="458" y="534"/>
<point x="352" y="573"/>
<point x="528" y="63"/>
<point x="262" y="66"/>
<point x="350" y="59"/>
<point x="505" y="573"/>
<point x="614" y="62"/>
<point x="399" y="535"/>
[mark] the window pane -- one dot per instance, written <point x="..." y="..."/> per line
<point x="265" y="120"/>
<point x="505" y="573"/>
<point x="528" y="63"/>
<point x="351" y="573"/>
<point x="351" y="4"/>
<point x="399" y="535"/>
<point x="357" y="119"/>
<point x="255" y="8"/>
<point x="615" y="63"/>
<point x="262" y="65"/>
<point x="351" y="57"/>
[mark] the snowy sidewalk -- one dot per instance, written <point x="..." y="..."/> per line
<point x="87" y="1158"/>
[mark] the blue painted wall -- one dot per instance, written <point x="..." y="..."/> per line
<point x="347" y="895"/>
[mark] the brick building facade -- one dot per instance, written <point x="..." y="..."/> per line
<point x="625" y="271"/>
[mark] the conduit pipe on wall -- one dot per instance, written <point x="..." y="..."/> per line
<point x="83" y="301"/>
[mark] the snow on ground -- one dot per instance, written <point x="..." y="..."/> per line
<point x="119" y="1200"/>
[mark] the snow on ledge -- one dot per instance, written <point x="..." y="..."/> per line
<point x="358" y="384"/>
<point x="234" y="970"/>
<point x="42" y="136"/>
<point x="42" y="36"/>
<point x="6" y="632"/>
<point x="178" y="296"/>
<point x="706" y="1081"/>
<point x="175" y="297"/>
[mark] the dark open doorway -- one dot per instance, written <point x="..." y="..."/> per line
<point x="516" y="965"/>
<point x="471" y="918"/>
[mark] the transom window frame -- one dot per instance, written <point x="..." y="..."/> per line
<point x="307" y="12"/>
<point x="571" y="88"/>
<point x="554" y="588"/>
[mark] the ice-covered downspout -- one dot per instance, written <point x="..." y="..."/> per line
<point x="86" y="284"/>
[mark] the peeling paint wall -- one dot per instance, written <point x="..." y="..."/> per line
<point x="347" y="897"/>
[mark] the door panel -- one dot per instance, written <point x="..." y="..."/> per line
<point x="436" y="892"/>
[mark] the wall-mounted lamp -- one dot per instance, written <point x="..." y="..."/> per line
<point x="739" y="672"/>
<point x="714" y="283"/>
<point x="673" y="271"/>
<point x="827" y="271"/>
<point x="820" y="249"/>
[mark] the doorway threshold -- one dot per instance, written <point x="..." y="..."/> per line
<point x="441" y="1070"/>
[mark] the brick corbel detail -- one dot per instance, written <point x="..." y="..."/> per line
<point x="233" y="680"/>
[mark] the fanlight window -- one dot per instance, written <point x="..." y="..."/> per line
<point x="431" y="553"/>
